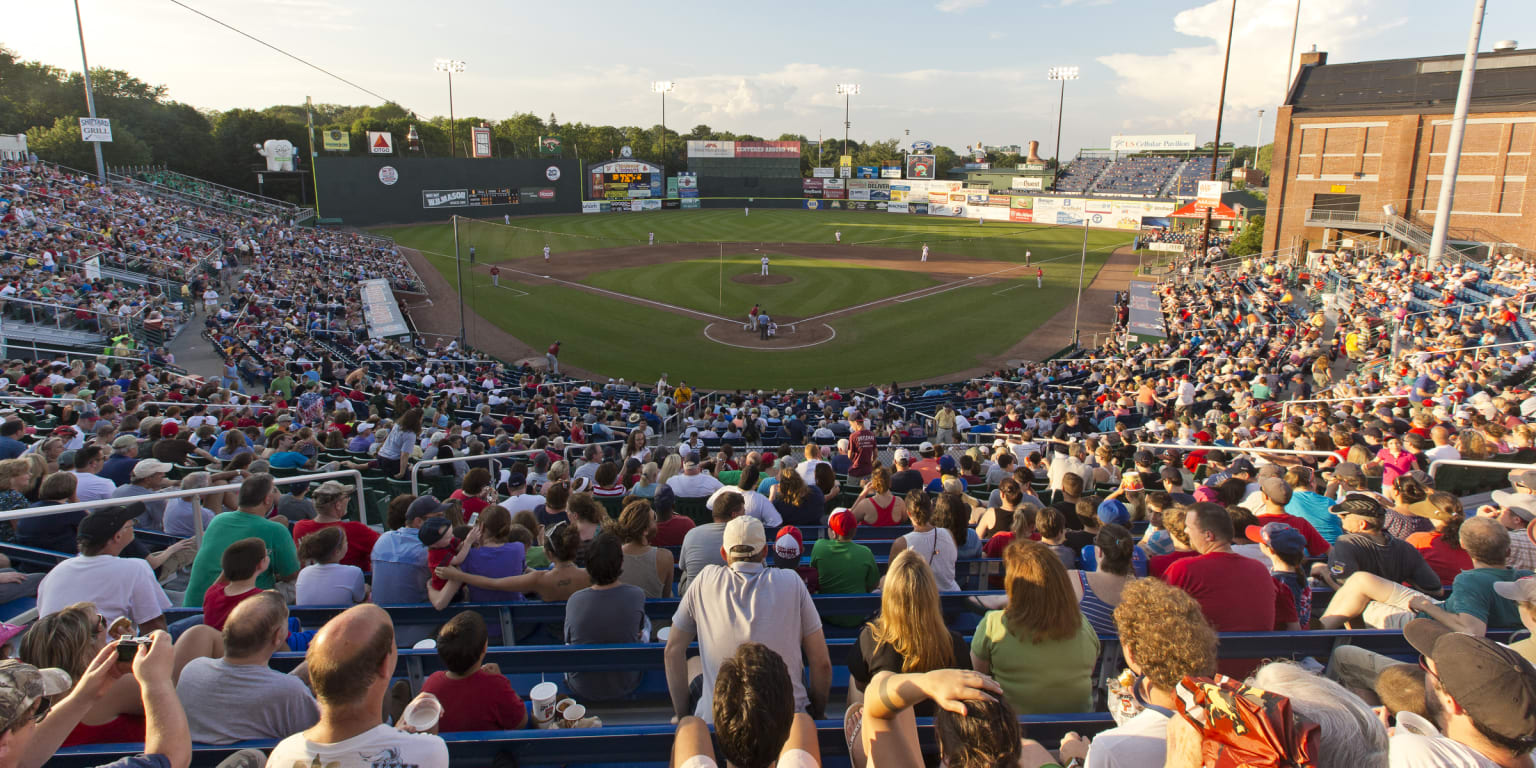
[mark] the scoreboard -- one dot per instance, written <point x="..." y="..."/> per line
<point x="624" y="180"/>
<point x="498" y="196"/>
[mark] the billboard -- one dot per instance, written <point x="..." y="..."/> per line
<point x="845" y="161"/>
<point x="1021" y="215"/>
<point x="723" y="149"/>
<point x="687" y="184"/>
<point x="811" y="187"/>
<point x="920" y="208"/>
<point x="549" y="146"/>
<point x="834" y="194"/>
<point x="921" y="167"/>
<point x="381" y="143"/>
<point x="1209" y="194"/>
<point x="1152" y="143"/>
<point x="834" y="184"/>
<point x="1146" y="315"/>
<point x="95" y="129"/>
<point x="890" y="171"/>
<point x="624" y="179"/>
<point x="896" y="207"/>
<point x="1019" y="202"/>
<point x="480" y="140"/>
<point x="823" y="173"/>
<point x="866" y="172"/>
<point x="711" y="149"/>
<point x="1034" y="183"/>
<point x="336" y="140"/>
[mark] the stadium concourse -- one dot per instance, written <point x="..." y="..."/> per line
<point x="339" y="547"/>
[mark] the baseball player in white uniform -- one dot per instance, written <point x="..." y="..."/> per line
<point x="653" y="239"/>
<point x="765" y="265"/>
<point x="838" y="235"/>
<point x="1026" y="258"/>
<point x="546" y="254"/>
<point x="925" y="251"/>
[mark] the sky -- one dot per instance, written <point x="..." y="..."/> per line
<point x="954" y="72"/>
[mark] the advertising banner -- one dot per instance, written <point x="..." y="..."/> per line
<point x="671" y="204"/>
<point x="1146" y="310"/>
<point x="444" y="198"/>
<point x="549" y="146"/>
<point x="896" y="207"/>
<point x="1021" y="215"/>
<point x="480" y="141"/>
<point x="938" y="198"/>
<point x="671" y="186"/>
<point x="95" y="129"/>
<point x="1151" y="143"/>
<point x="879" y="194"/>
<point x="866" y="172"/>
<point x="592" y="206"/>
<point x="1103" y="207"/>
<point x="777" y="149"/>
<point x="834" y="194"/>
<point x="899" y="194"/>
<point x="1166" y="247"/>
<point x="845" y="161"/>
<point x="718" y="149"/>
<point x="381" y="143"/>
<point x="845" y="172"/>
<point x="823" y="173"/>
<point x="946" y="210"/>
<point x="921" y="166"/>
<point x="834" y="184"/>
<point x="814" y="205"/>
<point x="1028" y="182"/>
<point x="858" y="194"/>
<point x="919" y="208"/>
<point x="690" y="202"/>
<point x="687" y="184"/>
<point x="958" y="198"/>
<point x="647" y="205"/>
<point x="977" y="198"/>
<point x="1000" y="201"/>
<point x="536" y="194"/>
<point x="1208" y="194"/>
<point x="811" y="187"/>
<point x="890" y="171"/>
<point x="860" y="183"/>
<point x="336" y="140"/>
<point x="1021" y="202"/>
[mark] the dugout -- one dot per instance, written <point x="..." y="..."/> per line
<point x="364" y="191"/>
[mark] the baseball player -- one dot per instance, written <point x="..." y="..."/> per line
<point x="1026" y="258"/>
<point x="496" y="276"/>
<point x="1039" y="277"/>
<point x="925" y="251"/>
<point x="838" y="235"/>
<point x="546" y="254"/>
<point x="746" y="211"/>
<point x="471" y="254"/>
<point x="765" y="265"/>
<point x="653" y="239"/>
<point x="752" y="317"/>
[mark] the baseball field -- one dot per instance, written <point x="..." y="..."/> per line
<point x="849" y="312"/>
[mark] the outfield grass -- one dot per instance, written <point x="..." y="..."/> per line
<point x="707" y="285"/>
<point x="526" y="237"/>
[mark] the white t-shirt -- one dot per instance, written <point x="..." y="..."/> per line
<point x="380" y="747"/>
<point x="522" y="501"/>
<point x="119" y="586"/>
<point x="89" y="487"/>
<point x="1416" y="743"/>
<point x="329" y="584"/>
<point x="1142" y="740"/>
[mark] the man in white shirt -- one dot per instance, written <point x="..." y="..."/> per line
<point x="807" y="469"/>
<point x="1443" y="450"/>
<point x="351" y="661"/>
<point x="118" y="586"/>
<point x="1186" y="393"/>
<point x="693" y="483"/>
<point x="520" y="499"/>
<point x="90" y="486"/>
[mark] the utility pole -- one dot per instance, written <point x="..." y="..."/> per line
<point x="90" y="101"/>
<point x="1221" y="105"/>
<point x="1453" y="146"/>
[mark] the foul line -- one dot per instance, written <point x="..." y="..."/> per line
<point x="627" y="296"/>
<point x="519" y="292"/>
<point x="910" y="295"/>
<point x="770" y="349"/>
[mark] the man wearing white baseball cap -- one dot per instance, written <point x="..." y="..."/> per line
<point x="745" y="602"/>
<point x="1523" y="593"/>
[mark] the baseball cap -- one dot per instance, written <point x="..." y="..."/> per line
<point x="665" y="499"/>
<point x="946" y="463"/>
<point x="331" y="489"/>
<point x="744" y="536"/>
<point x="1525" y="477"/>
<point x="1358" y="504"/>
<point x="1241" y="465"/>
<point x="1519" y="590"/>
<point x="1493" y="683"/>
<point x="1348" y="469"/>
<point x="1276" y="490"/>
<point x="1144" y="456"/>
<point x="147" y="467"/>
<point x="1270" y="470"/>
<point x="124" y="441"/>
<point x="98" y="527"/>
<point x="903" y="454"/>
<point x="842" y="522"/>
<point x="424" y="506"/>
<point x="67" y="460"/>
<point x="169" y="429"/>
<point x="517" y="480"/>
<point x="22" y="684"/>
<point x="1522" y="504"/>
<point x="1172" y="473"/>
<point x="432" y="529"/>
<point x="925" y="447"/>
<point x="1112" y="511"/>
<point x="787" y="547"/>
<point x="1280" y="537"/>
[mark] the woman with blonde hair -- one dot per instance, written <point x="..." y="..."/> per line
<point x="798" y="503"/>
<point x="1474" y="446"/>
<point x="909" y="634"/>
<point x="876" y="504"/>
<point x="646" y="487"/>
<point x="672" y="465"/>
<point x="78" y="640"/>
<point x="1040" y="648"/>
<point x="559" y="472"/>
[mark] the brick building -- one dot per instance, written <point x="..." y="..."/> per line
<point x="1360" y="148"/>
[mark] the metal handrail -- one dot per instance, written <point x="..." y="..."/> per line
<point x="416" y="468"/>
<point x="1434" y="466"/>
<point x="66" y="353"/>
<point x="1285" y="406"/>
<point x="36" y="399"/>
<point x="197" y="524"/>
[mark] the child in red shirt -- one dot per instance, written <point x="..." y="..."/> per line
<point x="242" y="562"/>
<point x="475" y="696"/>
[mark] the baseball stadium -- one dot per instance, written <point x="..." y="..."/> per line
<point x="338" y="432"/>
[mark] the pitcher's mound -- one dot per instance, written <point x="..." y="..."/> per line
<point x="770" y="279"/>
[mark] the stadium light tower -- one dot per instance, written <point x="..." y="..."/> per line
<point x="848" y="91"/>
<point x="451" y="66"/>
<point x="1062" y="74"/>
<point x="661" y="87"/>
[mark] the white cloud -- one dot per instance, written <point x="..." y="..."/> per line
<point x="955" y="6"/>
<point x="1178" y="89"/>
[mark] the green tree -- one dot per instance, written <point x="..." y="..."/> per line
<point x="1251" y="239"/>
<point x="1266" y="156"/>
<point x="61" y="144"/>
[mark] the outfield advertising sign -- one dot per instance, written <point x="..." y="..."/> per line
<point x="690" y="202"/>
<point x="1032" y="183"/>
<point x="1178" y="142"/>
<point x="921" y="166"/>
<point x="811" y="187"/>
<point x="890" y="171"/>
<point x="918" y="208"/>
<point x="866" y="172"/>
<point x="896" y="207"/>
<point x="1021" y="202"/>
<point x="823" y="173"/>
<point x="733" y="149"/>
<point x="1022" y="215"/>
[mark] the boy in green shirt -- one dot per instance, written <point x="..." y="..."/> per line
<point x="843" y="567"/>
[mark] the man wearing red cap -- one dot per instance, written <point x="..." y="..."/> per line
<point x="844" y="567"/>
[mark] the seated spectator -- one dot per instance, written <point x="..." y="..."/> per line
<point x="1286" y="550"/>
<point x="1472" y="607"/>
<point x="240" y="564"/>
<point x="1471" y="684"/>
<point x="608" y="611"/>
<point x="646" y="566"/>
<point x="783" y="618"/>
<point x="331" y="500"/>
<point x="843" y="566"/>
<point x="52" y="532"/>
<point x="75" y="639"/>
<point x="564" y="578"/>
<point x="148" y="477"/>
<point x="671" y="528"/>
<point x="476" y="493"/>
<point x="400" y="570"/>
<point x="952" y="512"/>
<point x="1041" y="649"/>
<point x="755" y="715"/>
<point x="1099" y="591"/>
<point x="1000" y="518"/>
<point x="701" y="547"/>
<point x="876" y="504"/>
<point x="1275" y="495"/>
<point x="31" y="739"/>
<point x="798" y="503"/>
<point x="693" y="483"/>
<point x="90" y="485"/>
<point x="1236" y="593"/>
<point x="976" y="727"/>
<point x="351" y="661"/>
<point x="119" y="586"/>
<point x="1365" y="546"/>
<point x="1441" y="547"/>
<point x="475" y="695"/>
<point x="295" y="504"/>
<point x="934" y="544"/>
<point x="757" y="505"/>
<point x="181" y="514"/>
<point x="905" y="479"/>
<point x="909" y="633"/>
<point x="325" y="579"/>
<point x="1164" y="638"/>
<point x="1515" y="511"/>
<point x="258" y="495"/>
<point x="239" y="697"/>
<point x="119" y="466"/>
<point x="1350" y="734"/>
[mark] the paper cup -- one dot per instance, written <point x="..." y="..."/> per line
<point x="573" y="715"/>
<point x="543" y="696"/>
<point x="661" y="634"/>
<point x="423" y="712"/>
<point x="564" y="704"/>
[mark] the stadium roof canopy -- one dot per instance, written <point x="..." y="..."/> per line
<point x="1506" y="82"/>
